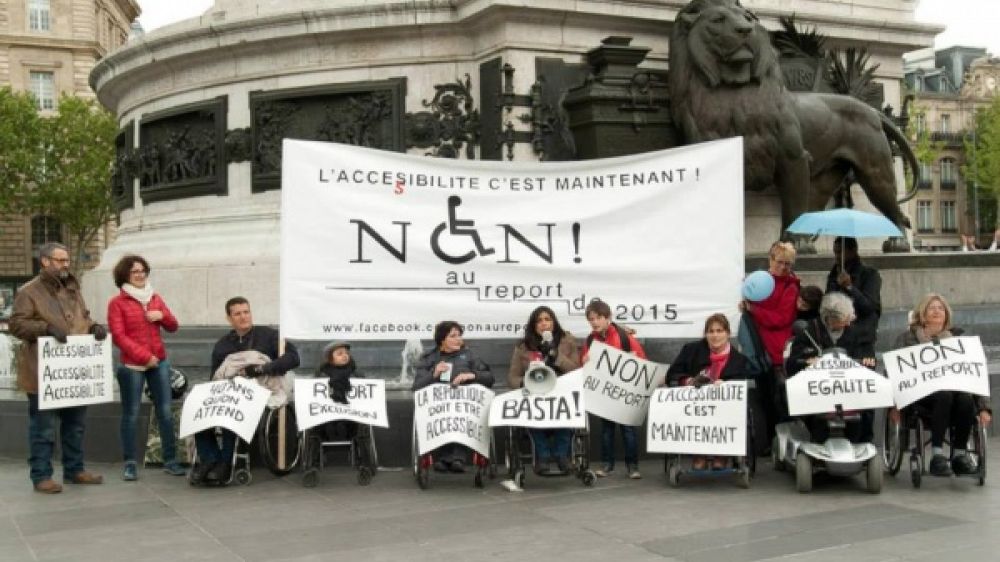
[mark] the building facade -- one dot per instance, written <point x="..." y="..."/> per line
<point x="948" y="86"/>
<point x="49" y="47"/>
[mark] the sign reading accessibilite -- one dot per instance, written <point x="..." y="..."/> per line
<point x="710" y="420"/>
<point x="75" y="373"/>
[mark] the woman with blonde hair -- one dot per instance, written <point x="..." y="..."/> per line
<point x="931" y="320"/>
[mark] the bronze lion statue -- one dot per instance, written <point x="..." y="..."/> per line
<point x="725" y="81"/>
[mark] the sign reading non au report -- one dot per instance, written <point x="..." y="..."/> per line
<point x="379" y="245"/>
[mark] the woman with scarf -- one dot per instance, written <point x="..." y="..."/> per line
<point x="709" y="360"/>
<point x="930" y="321"/>
<point x="135" y="317"/>
<point x="545" y="340"/>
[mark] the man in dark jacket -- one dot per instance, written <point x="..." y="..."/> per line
<point x="215" y="462"/>
<point x="51" y="305"/>
<point x="861" y="283"/>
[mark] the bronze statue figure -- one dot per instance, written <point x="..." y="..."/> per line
<point x="725" y="81"/>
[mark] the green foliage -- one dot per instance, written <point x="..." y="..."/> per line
<point x="982" y="156"/>
<point x="20" y="137"/>
<point x="925" y="149"/>
<point x="59" y="166"/>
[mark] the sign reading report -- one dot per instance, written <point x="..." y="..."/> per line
<point x="561" y="408"/>
<point x="405" y="239"/>
<point x="710" y="420"/>
<point x="314" y="405"/>
<point x="75" y="373"/>
<point x="235" y="404"/>
<point x="452" y="414"/>
<point x="953" y="364"/>
<point x="617" y="385"/>
<point x="836" y="379"/>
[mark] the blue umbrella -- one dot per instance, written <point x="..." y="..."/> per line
<point x="844" y="222"/>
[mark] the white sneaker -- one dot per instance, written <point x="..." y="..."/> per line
<point x="633" y="473"/>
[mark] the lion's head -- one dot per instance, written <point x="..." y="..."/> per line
<point x="724" y="43"/>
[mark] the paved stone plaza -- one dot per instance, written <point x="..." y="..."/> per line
<point x="162" y="518"/>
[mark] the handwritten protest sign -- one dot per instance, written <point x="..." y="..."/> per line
<point x="561" y="408"/>
<point x="366" y="403"/>
<point x="617" y="385"/>
<point x="235" y="404"/>
<point x="836" y="380"/>
<point x="710" y="420"/>
<point x="75" y="373"/>
<point x="452" y="414"/>
<point x="954" y="364"/>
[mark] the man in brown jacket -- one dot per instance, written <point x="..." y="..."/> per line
<point x="51" y="305"/>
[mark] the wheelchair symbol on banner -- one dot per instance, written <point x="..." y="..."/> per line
<point x="458" y="227"/>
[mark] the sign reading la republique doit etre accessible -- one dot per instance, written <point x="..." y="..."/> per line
<point x="379" y="245"/>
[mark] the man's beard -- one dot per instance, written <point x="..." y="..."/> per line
<point x="63" y="274"/>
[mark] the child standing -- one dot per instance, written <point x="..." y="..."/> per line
<point x="611" y="334"/>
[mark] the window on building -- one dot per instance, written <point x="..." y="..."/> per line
<point x="925" y="175"/>
<point x="924" y="219"/>
<point x="947" y="169"/>
<point x="43" y="230"/>
<point x="945" y="123"/>
<point x="949" y="222"/>
<point x="920" y="123"/>
<point x="39" y="15"/>
<point x="43" y="85"/>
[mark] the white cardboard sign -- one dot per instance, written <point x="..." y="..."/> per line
<point x="710" y="420"/>
<point x="561" y="408"/>
<point x="8" y="368"/>
<point x="76" y="373"/>
<point x="452" y="414"/>
<point x="836" y="379"/>
<point x="954" y="364"/>
<point x="617" y="385"/>
<point x="235" y="404"/>
<point x="314" y="406"/>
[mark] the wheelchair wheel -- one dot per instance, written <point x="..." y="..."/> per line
<point x="916" y="469"/>
<point x="518" y="478"/>
<point x="243" y="477"/>
<point x="310" y="478"/>
<point x="979" y="446"/>
<point x="589" y="478"/>
<point x="745" y="476"/>
<point x="278" y="443"/>
<point x="803" y="473"/>
<point x="421" y="466"/>
<point x="674" y="474"/>
<point x="874" y="472"/>
<point x="893" y="445"/>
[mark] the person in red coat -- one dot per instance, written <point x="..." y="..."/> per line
<point x="773" y="318"/>
<point x="135" y="317"/>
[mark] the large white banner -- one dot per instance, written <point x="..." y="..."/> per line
<point x="366" y="403"/>
<point x="452" y="414"/>
<point x="710" y="420"/>
<point x="836" y="380"/>
<point x="75" y="373"/>
<point x="617" y="385"/>
<point x="953" y="364"/>
<point x="235" y="404"/>
<point x="561" y="408"/>
<point x="380" y="245"/>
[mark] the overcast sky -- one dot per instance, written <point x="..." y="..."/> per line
<point x="974" y="23"/>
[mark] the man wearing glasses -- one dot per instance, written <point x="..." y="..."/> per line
<point x="51" y="305"/>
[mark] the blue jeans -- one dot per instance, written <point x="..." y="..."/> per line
<point x="42" y="439"/>
<point x="559" y="449"/>
<point x="208" y="447"/>
<point x="130" y="388"/>
<point x="608" y="443"/>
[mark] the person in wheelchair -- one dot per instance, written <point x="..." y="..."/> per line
<point x="709" y="360"/>
<point x="930" y="321"/>
<point x="215" y="461"/>
<point x="833" y="329"/>
<point x="450" y="362"/>
<point x="545" y="340"/>
<point x="338" y="367"/>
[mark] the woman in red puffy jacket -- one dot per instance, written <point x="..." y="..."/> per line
<point x="135" y="317"/>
